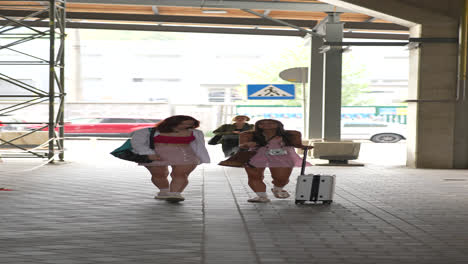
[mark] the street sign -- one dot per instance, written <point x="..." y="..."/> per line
<point x="270" y="91"/>
<point x="298" y="75"/>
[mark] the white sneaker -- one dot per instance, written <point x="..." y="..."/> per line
<point x="259" y="199"/>
<point x="174" y="198"/>
<point x="162" y="196"/>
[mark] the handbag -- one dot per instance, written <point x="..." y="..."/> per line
<point x="215" y="140"/>
<point x="240" y="159"/>
<point x="125" y="151"/>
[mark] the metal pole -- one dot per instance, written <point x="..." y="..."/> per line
<point x="282" y="22"/>
<point x="62" y="81"/>
<point x="304" y="106"/>
<point x="51" y="78"/>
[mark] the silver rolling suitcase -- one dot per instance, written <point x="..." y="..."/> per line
<point x="314" y="187"/>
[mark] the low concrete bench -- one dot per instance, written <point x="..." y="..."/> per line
<point x="336" y="152"/>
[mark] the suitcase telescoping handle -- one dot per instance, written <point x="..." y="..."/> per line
<point x="304" y="160"/>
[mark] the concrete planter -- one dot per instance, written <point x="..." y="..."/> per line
<point x="336" y="152"/>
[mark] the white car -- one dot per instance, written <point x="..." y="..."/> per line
<point x="378" y="132"/>
<point x="10" y="127"/>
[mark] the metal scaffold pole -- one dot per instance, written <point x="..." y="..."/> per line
<point x="13" y="33"/>
<point x="61" y="120"/>
<point x="51" y="79"/>
<point x="57" y="17"/>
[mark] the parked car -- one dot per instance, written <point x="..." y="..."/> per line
<point x="378" y="132"/>
<point x="104" y="127"/>
<point x="5" y="123"/>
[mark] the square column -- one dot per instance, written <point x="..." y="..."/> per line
<point x="332" y="84"/>
<point x="436" y="137"/>
<point x="315" y="95"/>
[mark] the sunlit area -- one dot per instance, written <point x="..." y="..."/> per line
<point x="233" y="131"/>
<point x="135" y="79"/>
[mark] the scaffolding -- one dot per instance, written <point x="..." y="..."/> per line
<point x="13" y="35"/>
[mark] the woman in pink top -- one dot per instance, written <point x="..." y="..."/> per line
<point x="176" y="144"/>
<point x="275" y="150"/>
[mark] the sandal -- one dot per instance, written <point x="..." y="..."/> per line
<point x="281" y="194"/>
<point x="259" y="199"/>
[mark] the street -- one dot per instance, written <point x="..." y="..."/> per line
<point x="97" y="150"/>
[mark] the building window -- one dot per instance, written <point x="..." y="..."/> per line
<point x="218" y="95"/>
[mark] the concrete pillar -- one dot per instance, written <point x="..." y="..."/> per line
<point x="461" y="132"/>
<point x="332" y="84"/>
<point x="437" y="122"/>
<point x="315" y="98"/>
<point x="433" y="86"/>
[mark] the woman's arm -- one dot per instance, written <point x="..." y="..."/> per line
<point x="245" y="140"/>
<point x="223" y="130"/>
<point x="198" y="146"/>
<point x="140" y="142"/>
<point x="295" y="139"/>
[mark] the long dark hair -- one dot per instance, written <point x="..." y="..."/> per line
<point x="260" y="139"/>
<point x="168" y="124"/>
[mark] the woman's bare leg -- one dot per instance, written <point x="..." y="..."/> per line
<point x="280" y="179"/>
<point x="280" y="176"/>
<point x="159" y="176"/>
<point x="179" y="176"/>
<point x="258" y="186"/>
<point x="256" y="179"/>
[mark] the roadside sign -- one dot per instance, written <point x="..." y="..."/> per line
<point x="298" y="75"/>
<point x="270" y="91"/>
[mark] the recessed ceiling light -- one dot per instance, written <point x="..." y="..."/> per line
<point x="214" y="11"/>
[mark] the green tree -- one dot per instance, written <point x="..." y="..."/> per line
<point x="353" y="83"/>
<point x="268" y="72"/>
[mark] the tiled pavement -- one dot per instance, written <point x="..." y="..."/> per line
<point x="95" y="209"/>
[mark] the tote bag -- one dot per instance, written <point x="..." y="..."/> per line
<point x="240" y="159"/>
<point x="125" y="151"/>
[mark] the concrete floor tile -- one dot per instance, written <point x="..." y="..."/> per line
<point x="80" y="213"/>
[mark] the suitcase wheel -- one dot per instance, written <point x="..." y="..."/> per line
<point x="327" y="202"/>
<point x="299" y="202"/>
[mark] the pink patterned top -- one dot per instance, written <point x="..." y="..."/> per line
<point x="174" y="140"/>
<point x="286" y="156"/>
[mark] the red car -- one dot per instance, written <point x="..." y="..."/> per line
<point x="104" y="127"/>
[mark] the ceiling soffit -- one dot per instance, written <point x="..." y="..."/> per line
<point x="140" y="15"/>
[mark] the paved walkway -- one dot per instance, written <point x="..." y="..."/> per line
<point x="98" y="210"/>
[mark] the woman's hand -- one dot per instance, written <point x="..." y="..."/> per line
<point x="308" y="147"/>
<point x="154" y="157"/>
<point x="249" y="144"/>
